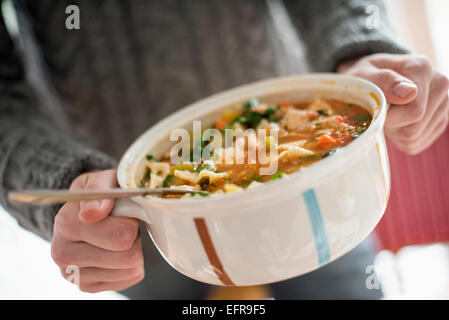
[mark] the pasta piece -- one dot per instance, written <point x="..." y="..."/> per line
<point x="185" y="175"/>
<point x="212" y="176"/>
<point x="295" y="152"/>
<point x="282" y="156"/>
<point x="195" y="178"/>
<point x="161" y="169"/>
<point x="286" y="146"/>
<point x="155" y="181"/>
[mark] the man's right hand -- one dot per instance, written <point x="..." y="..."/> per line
<point x="107" y="250"/>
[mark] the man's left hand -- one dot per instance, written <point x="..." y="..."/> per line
<point x="417" y="92"/>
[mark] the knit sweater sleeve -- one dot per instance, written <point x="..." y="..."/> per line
<point x="337" y="30"/>
<point x="34" y="151"/>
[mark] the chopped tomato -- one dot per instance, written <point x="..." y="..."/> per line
<point x="326" y="142"/>
<point x="221" y="123"/>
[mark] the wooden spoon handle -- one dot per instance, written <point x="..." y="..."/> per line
<point x="62" y="196"/>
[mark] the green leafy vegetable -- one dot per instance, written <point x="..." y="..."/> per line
<point x="201" y="193"/>
<point x="165" y="183"/>
<point x="251" y="119"/>
<point x="322" y="112"/>
<point x="270" y="114"/>
<point x="361" y="129"/>
<point x="150" y="157"/>
<point x="247" y="182"/>
<point x="278" y="175"/>
<point x="253" y="102"/>
<point x="205" y="166"/>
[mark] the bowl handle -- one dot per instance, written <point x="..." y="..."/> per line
<point x="126" y="207"/>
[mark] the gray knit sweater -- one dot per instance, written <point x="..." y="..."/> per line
<point x="73" y="100"/>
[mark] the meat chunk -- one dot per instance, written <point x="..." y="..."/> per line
<point x="295" y="120"/>
<point x="333" y="123"/>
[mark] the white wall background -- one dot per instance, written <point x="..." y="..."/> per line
<point x="27" y="270"/>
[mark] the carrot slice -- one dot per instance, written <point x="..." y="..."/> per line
<point x="221" y="123"/>
<point x="326" y="142"/>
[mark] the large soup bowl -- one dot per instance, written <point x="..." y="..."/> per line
<point x="284" y="228"/>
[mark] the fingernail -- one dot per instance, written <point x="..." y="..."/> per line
<point x="87" y="205"/>
<point x="403" y="89"/>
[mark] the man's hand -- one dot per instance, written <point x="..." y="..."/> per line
<point x="107" y="250"/>
<point x="418" y="95"/>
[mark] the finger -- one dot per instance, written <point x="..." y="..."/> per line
<point x="436" y="107"/>
<point x="418" y="145"/>
<point x="420" y="72"/>
<point x="96" y="210"/>
<point x="429" y="138"/>
<point x="92" y="275"/>
<point x="398" y="90"/>
<point x="392" y="61"/>
<point x="111" y="286"/>
<point x="112" y="233"/>
<point x="82" y="255"/>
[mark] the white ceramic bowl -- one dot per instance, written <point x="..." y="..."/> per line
<point x="284" y="228"/>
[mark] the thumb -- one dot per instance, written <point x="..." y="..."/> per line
<point x="398" y="89"/>
<point x="95" y="210"/>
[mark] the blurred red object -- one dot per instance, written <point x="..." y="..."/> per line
<point x="418" y="210"/>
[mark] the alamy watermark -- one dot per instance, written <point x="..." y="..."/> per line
<point x="372" y="281"/>
<point x="73" y="273"/>
<point x="239" y="146"/>
<point x="372" y="22"/>
<point x="73" y="19"/>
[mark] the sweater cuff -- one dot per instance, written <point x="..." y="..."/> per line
<point x="50" y="162"/>
<point x="348" y="36"/>
<point x="354" y="49"/>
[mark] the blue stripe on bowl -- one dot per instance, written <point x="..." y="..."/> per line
<point x="318" y="228"/>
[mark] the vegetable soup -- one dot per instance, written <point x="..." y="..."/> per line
<point x="299" y="134"/>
